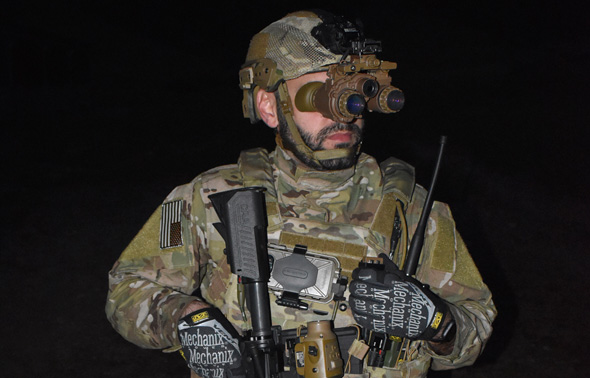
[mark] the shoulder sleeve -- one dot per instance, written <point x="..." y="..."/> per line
<point x="449" y="269"/>
<point x="153" y="279"/>
<point x="399" y="178"/>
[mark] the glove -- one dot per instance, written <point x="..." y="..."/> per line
<point x="210" y="344"/>
<point x="385" y="299"/>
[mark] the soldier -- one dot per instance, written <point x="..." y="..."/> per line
<point x="309" y="76"/>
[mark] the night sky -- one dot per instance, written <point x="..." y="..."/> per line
<point x="105" y="108"/>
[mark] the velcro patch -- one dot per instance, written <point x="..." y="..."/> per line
<point x="170" y="225"/>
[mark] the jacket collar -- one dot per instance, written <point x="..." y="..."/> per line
<point x="293" y="170"/>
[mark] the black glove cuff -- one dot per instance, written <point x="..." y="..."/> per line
<point x="449" y="330"/>
<point x="438" y="321"/>
<point x="210" y="313"/>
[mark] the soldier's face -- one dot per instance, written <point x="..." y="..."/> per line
<point x="319" y="132"/>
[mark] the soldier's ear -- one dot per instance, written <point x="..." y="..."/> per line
<point x="266" y="103"/>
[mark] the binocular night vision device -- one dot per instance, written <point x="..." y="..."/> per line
<point x="351" y="89"/>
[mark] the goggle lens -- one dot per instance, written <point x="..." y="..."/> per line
<point x="355" y="104"/>
<point x="396" y="100"/>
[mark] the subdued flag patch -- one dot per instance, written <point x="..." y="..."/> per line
<point x="170" y="226"/>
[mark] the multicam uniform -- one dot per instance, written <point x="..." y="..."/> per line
<point x="347" y="214"/>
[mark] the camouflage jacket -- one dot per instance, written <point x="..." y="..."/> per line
<point x="346" y="214"/>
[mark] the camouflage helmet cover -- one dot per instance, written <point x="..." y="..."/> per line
<point x="289" y="43"/>
<point x="285" y="50"/>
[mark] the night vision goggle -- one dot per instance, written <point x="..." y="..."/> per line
<point x="358" y="84"/>
<point x="352" y="88"/>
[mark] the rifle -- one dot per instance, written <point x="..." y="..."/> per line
<point x="242" y="213"/>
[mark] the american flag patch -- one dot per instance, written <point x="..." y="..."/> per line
<point x="170" y="226"/>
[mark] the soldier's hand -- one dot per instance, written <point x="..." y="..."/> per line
<point x="385" y="299"/>
<point x="210" y="344"/>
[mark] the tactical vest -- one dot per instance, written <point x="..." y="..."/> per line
<point x="346" y="242"/>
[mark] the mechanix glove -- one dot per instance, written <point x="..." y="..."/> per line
<point x="385" y="299"/>
<point x="210" y="344"/>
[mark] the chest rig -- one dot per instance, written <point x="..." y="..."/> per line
<point x="312" y="259"/>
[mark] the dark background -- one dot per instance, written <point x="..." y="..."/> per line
<point x="105" y="107"/>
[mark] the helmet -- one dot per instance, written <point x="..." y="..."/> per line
<point x="289" y="43"/>
<point x="283" y="50"/>
<point x="304" y="42"/>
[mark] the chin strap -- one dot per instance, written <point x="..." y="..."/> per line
<point x="299" y="144"/>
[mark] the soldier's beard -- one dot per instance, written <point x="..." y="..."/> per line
<point x="315" y="144"/>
